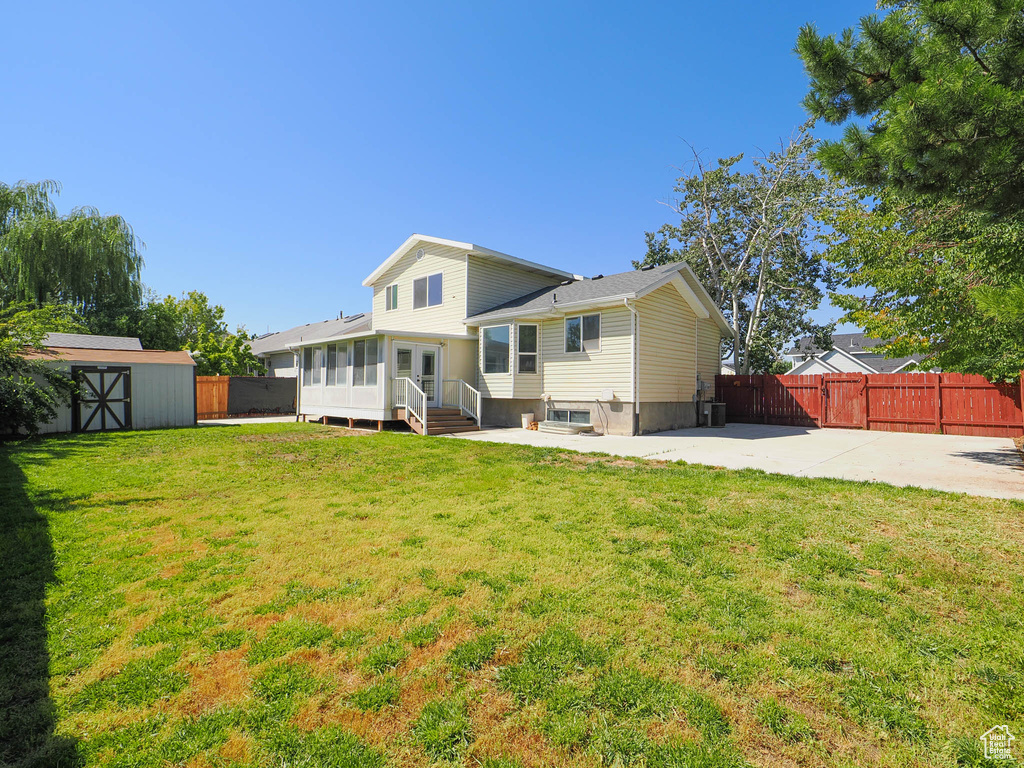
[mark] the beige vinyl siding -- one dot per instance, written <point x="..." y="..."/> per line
<point x="528" y="385"/>
<point x="460" y="360"/>
<point x="709" y="350"/>
<point x="585" y="375"/>
<point x="491" y="283"/>
<point x="668" y="355"/>
<point x="494" y="384"/>
<point x="446" y="318"/>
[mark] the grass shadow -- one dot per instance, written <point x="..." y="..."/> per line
<point x="27" y="713"/>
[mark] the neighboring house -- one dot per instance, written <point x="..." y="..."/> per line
<point x="276" y="352"/>
<point x="123" y="385"/>
<point x="850" y="353"/>
<point x="474" y="336"/>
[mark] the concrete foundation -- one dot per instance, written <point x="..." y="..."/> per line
<point x="614" y="418"/>
<point x="658" y="417"/>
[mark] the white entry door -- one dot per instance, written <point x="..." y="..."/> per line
<point x="422" y="364"/>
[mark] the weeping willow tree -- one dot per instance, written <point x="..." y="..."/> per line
<point x="83" y="259"/>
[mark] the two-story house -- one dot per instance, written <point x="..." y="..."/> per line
<point x="462" y="336"/>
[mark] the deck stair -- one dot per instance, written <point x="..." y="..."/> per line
<point x="445" y="421"/>
<point x="460" y="411"/>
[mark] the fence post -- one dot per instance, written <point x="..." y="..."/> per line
<point x="1021" y="394"/>
<point x="867" y="402"/>
<point x="938" y="403"/>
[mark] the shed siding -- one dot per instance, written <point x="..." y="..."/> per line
<point x="667" y="355"/>
<point x="162" y="396"/>
<point x="583" y="375"/>
<point x="446" y="318"/>
<point x="491" y="283"/>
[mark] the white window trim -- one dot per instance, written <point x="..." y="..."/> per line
<point x="340" y="363"/>
<point x="536" y="354"/>
<point x="428" y="305"/>
<point x="377" y="363"/>
<point x="483" y="370"/>
<point x="565" y="336"/>
<point x="389" y="291"/>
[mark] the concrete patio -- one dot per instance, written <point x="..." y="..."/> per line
<point x="983" y="466"/>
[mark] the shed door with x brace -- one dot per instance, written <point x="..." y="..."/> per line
<point x="105" y="400"/>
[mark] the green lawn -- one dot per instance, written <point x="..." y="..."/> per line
<point x="289" y="595"/>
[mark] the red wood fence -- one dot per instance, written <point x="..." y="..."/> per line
<point x="947" y="403"/>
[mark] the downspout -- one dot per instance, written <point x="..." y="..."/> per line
<point x="634" y="365"/>
<point x="298" y="385"/>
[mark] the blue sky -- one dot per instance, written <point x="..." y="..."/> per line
<point x="272" y="155"/>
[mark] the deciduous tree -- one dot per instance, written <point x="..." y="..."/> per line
<point x="750" y="238"/>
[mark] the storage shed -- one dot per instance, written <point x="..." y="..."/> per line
<point x="123" y="385"/>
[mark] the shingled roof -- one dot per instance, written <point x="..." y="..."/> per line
<point x="280" y="341"/>
<point x="89" y="341"/>
<point x="587" y="290"/>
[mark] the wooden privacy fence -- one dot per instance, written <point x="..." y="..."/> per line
<point x="218" y="397"/>
<point x="945" y="403"/>
<point x="212" y="397"/>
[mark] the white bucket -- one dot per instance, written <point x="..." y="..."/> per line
<point x="527" y="420"/>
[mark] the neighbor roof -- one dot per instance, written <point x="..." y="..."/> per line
<point x="858" y="345"/>
<point x="623" y="285"/>
<point x="89" y="341"/>
<point x="476" y="250"/>
<point x="848" y="342"/>
<point x="280" y="341"/>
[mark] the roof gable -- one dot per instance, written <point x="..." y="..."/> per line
<point x="477" y="250"/>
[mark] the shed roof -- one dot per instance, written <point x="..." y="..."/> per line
<point x="89" y="341"/>
<point x="281" y="341"/>
<point x="119" y="356"/>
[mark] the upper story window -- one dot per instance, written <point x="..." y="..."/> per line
<point x="495" y="349"/>
<point x="583" y="333"/>
<point x="391" y="297"/>
<point x="527" y="349"/>
<point x="427" y="291"/>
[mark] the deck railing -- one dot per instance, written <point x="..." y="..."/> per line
<point x="456" y="393"/>
<point x="406" y="394"/>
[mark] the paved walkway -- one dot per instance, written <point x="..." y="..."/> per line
<point x="984" y="466"/>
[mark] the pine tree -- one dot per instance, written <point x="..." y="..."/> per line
<point x="941" y="86"/>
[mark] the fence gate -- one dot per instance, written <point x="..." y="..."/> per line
<point x="843" y="400"/>
<point x="104" y="401"/>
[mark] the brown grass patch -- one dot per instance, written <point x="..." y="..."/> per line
<point x="223" y="679"/>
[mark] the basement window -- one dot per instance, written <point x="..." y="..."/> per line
<point x="567" y="416"/>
